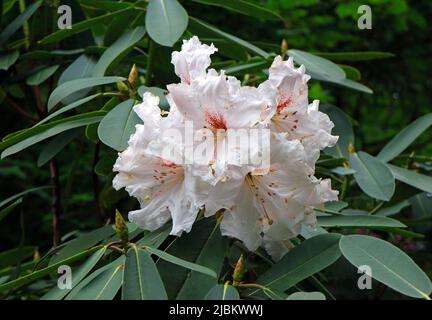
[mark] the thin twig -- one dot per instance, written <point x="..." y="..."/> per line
<point x="20" y="110"/>
<point x="95" y="179"/>
<point x="55" y="205"/>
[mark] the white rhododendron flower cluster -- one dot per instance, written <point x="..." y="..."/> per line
<point x="260" y="206"/>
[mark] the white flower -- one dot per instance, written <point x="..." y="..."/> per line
<point x="269" y="209"/>
<point x="193" y="59"/>
<point x="164" y="189"/>
<point x="261" y="206"/>
<point x="293" y="113"/>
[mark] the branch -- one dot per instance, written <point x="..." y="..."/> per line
<point x="20" y="110"/>
<point x="55" y="204"/>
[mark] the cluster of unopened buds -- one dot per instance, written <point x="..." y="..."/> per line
<point x="246" y="153"/>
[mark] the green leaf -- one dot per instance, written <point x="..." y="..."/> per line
<point x="351" y="72"/>
<point x="388" y="264"/>
<point x="372" y="176"/>
<point x="306" y="259"/>
<point x="354" y="85"/>
<point x="69" y="107"/>
<point x="65" y="89"/>
<point x="343" y="128"/>
<point x="141" y="277"/>
<point x="28" y="278"/>
<point x="156" y="238"/>
<point x="243" y="68"/>
<point x="52" y="148"/>
<point x="213" y="252"/>
<point x="306" y="296"/>
<point x="243" y="7"/>
<point x="165" y="21"/>
<point x="82" y="67"/>
<point x="414" y="179"/>
<point x="199" y="27"/>
<point x="81" y="26"/>
<point x="319" y="68"/>
<point x="41" y="54"/>
<point x="118" y="125"/>
<point x="125" y="42"/>
<point x="404" y="138"/>
<point x="180" y="262"/>
<point x="42" y="75"/>
<point x="8" y="59"/>
<point x="355" y="56"/>
<point x="13" y="26"/>
<point x="363" y="221"/>
<point x="38" y="133"/>
<point x="19" y="195"/>
<point x="76" y="291"/>
<point x="4" y="212"/>
<point x="104" y="286"/>
<point x="223" y="292"/>
<point x="57" y="294"/>
<point x="390" y="211"/>
<point x="13" y="256"/>
<point x="82" y="243"/>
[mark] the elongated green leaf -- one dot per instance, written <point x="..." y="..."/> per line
<point x="180" y="262"/>
<point x="306" y="259"/>
<point x="343" y="128"/>
<point x="82" y="285"/>
<point x="319" y="68"/>
<point x="243" y="7"/>
<point x="18" y="22"/>
<point x="165" y="21"/>
<point x="306" y="296"/>
<point x="104" y="286"/>
<point x="81" y="26"/>
<point x="364" y="221"/>
<point x="212" y="255"/>
<point x="104" y="5"/>
<point x="82" y="67"/>
<point x="125" y="42"/>
<point x="388" y="264"/>
<point x="42" y="75"/>
<point x="39" y="135"/>
<point x="13" y="256"/>
<point x="82" y="243"/>
<point x="69" y="107"/>
<point x="65" y="89"/>
<point x="30" y="132"/>
<point x="372" y="176"/>
<point x="43" y="54"/>
<point x="19" y="195"/>
<point x="390" y="211"/>
<point x="353" y="85"/>
<point x="223" y="292"/>
<point x="199" y="27"/>
<point x="404" y="138"/>
<point x="45" y="271"/>
<point x="246" y="67"/>
<point x="141" y="277"/>
<point x="118" y="125"/>
<point x="417" y="180"/>
<point x="57" y="294"/>
<point x="354" y="56"/>
<point x="8" y="59"/>
<point x="156" y="238"/>
<point x="52" y="148"/>
<point x="351" y="72"/>
<point x="5" y="211"/>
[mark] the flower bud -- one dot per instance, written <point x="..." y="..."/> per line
<point x="133" y="76"/>
<point x="239" y="271"/>
<point x="121" y="227"/>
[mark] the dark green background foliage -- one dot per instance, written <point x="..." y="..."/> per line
<point x="399" y="76"/>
